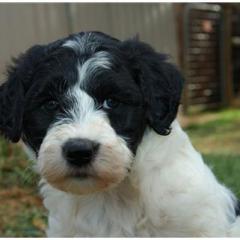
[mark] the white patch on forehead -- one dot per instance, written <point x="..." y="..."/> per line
<point x="98" y="61"/>
<point x="93" y="66"/>
<point x="80" y="44"/>
<point x="83" y="105"/>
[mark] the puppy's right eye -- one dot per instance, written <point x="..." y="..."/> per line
<point x="50" y="105"/>
<point x="110" y="104"/>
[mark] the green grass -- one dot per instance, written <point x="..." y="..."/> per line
<point x="218" y="139"/>
<point x="227" y="169"/>
<point x="14" y="167"/>
<point x="216" y="135"/>
<point x="221" y="134"/>
<point x="21" y="211"/>
<point x="26" y="224"/>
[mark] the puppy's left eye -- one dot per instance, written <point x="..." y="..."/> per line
<point x="110" y="104"/>
<point x="51" y="105"/>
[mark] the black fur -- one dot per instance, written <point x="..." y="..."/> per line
<point x="237" y="208"/>
<point x="161" y="84"/>
<point x="147" y="87"/>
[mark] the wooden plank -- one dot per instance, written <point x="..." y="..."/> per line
<point x="228" y="93"/>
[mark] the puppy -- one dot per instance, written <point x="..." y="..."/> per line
<point x="98" y="115"/>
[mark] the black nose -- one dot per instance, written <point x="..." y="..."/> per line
<point x="79" y="152"/>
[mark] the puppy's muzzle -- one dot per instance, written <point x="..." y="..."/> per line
<point x="79" y="151"/>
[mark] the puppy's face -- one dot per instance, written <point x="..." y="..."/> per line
<point x="85" y="103"/>
<point x="86" y="121"/>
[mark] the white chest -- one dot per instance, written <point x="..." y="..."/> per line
<point x="99" y="215"/>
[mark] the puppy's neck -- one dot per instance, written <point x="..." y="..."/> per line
<point x="156" y="147"/>
<point x="156" y="150"/>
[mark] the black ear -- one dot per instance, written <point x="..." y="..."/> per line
<point x="161" y="84"/>
<point x="13" y="91"/>
<point x="11" y="110"/>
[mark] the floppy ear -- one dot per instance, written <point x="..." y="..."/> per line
<point x="161" y="84"/>
<point x="11" y="109"/>
<point x="12" y="93"/>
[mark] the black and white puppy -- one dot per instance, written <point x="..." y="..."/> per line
<point x="98" y="114"/>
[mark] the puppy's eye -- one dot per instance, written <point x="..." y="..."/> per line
<point x="110" y="104"/>
<point x="51" y="105"/>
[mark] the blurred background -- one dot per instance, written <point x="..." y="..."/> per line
<point x="202" y="39"/>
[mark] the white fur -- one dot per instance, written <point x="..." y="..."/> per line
<point x="170" y="192"/>
<point x="80" y="44"/>
<point x="99" y="61"/>
<point x="83" y="120"/>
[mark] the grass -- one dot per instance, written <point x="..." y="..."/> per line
<point x="21" y="210"/>
<point x="227" y="169"/>
<point x="216" y="135"/>
<point x="220" y="134"/>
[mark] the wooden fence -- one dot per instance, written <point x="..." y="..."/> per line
<point x="203" y="55"/>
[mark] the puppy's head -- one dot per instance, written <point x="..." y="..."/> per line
<point x="82" y="104"/>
